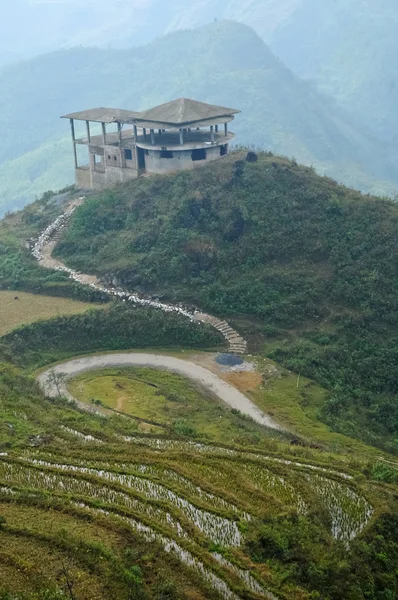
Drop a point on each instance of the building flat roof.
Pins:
(103, 115)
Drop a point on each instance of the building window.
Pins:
(199, 154)
(166, 154)
(115, 158)
(109, 157)
(128, 154)
(98, 163)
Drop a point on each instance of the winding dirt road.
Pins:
(200, 375)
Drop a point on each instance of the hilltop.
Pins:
(307, 266)
(224, 63)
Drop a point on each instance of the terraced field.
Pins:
(197, 503)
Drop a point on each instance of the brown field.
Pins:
(31, 307)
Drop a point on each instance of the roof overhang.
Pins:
(103, 115)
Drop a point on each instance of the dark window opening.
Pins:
(109, 157)
(115, 158)
(141, 158)
(199, 154)
(128, 154)
(223, 150)
(166, 154)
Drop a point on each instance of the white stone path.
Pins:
(42, 251)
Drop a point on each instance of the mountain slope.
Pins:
(348, 47)
(300, 255)
(224, 63)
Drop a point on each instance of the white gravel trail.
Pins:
(48, 239)
(211, 382)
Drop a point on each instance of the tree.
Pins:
(55, 381)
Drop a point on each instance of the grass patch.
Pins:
(169, 400)
(29, 308)
(296, 401)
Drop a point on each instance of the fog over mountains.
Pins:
(335, 110)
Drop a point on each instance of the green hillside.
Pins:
(224, 63)
(306, 266)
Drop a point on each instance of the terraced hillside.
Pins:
(89, 503)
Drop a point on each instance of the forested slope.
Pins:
(306, 259)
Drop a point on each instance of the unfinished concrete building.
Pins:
(180, 135)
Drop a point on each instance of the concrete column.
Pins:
(144, 132)
(119, 131)
(212, 133)
(226, 129)
(160, 132)
(181, 137)
(152, 137)
(72, 127)
(88, 131)
(216, 128)
(135, 133)
(104, 133)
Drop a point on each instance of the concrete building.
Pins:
(180, 135)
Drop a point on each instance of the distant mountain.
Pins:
(222, 63)
(31, 27)
(348, 47)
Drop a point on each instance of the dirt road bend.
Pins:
(206, 379)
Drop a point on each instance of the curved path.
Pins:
(200, 375)
(42, 251)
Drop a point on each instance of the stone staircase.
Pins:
(237, 345)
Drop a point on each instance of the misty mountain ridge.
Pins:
(348, 48)
(223, 63)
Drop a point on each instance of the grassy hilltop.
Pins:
(303, 265)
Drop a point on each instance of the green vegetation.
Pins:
(19, 270)
(223, 63)
(311, 264)
(121, 327)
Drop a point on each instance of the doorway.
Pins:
(141, 159)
